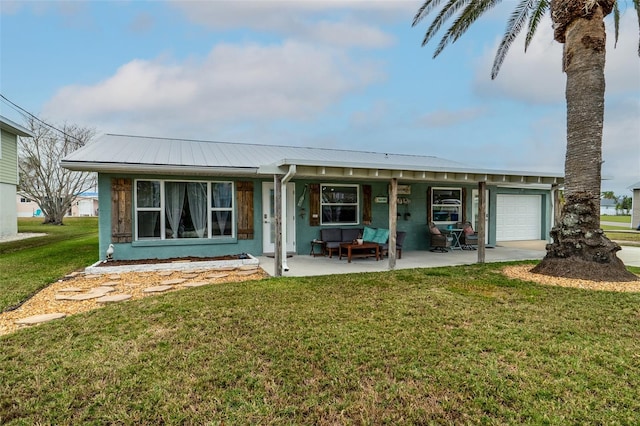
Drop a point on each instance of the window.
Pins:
(446, 204)
(179, 210)
(339, 204)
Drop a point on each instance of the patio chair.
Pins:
(469, 238)
(439, 243)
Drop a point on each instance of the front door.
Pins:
(269, 220)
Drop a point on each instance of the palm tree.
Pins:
(579, 248)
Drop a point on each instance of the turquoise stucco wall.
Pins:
(171, 248)
(415, 225)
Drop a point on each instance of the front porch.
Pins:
(304, 265)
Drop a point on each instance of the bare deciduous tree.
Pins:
(41, 177)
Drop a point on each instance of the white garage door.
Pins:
(518, 217)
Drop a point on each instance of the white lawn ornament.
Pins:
(110, 251)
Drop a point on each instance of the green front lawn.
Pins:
(27, 266)
(444, 345)
(623, 219)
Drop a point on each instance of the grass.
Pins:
(624, 219)
(27, 266)
(444, 345)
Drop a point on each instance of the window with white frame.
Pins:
(178, 210)
(446, 204)
(339, 204)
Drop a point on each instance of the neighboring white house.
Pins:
(608, 207)
(9, 132)
(86, 204)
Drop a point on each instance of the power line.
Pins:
(26, 113)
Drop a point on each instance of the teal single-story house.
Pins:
(9, 132)
(164, 198)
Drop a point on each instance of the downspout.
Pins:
(283, 212)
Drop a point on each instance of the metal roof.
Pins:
(11, 127)
(134, 154)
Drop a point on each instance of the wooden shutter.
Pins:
(121, 207)
(314, 204)
(244, 197)
(366, 205)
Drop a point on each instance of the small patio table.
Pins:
(359, 250)
(456, 233)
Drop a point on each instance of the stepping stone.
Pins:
(85, 296)
(157, 289)
(110, 283)
(37, 319)
(248, 267)
(197, 283)
(226, 268)
(113, 298)
(215, 276)
(92, 276)
(187, 276)
(102, 290)
(173, 282)
(165, 273)
(243, 273)
(64, 296)
(70, 290)
(114, 277)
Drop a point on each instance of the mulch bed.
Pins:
(173, 260)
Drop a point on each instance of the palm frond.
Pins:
(616, 24)
(514, 26)
(539, 10)
(445, 13)
(468, 16)
(424, 10)
(636, 4)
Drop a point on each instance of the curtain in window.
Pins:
(222, 198)
(174, 197)
(197, 197)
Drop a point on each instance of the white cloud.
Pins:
(233, 84)
(447, 118)
(340, 23)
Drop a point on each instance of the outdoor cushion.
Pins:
(381, 237)
(435, 230)
(369, 234)
(350, 234)
(468, 230)
(331, 234)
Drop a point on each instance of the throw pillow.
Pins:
(435, 231)
(382, 235)
(369, 234)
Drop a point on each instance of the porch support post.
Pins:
(482, 211)
(277, 187)
(393, 221)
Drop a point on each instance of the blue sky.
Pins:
(339, 74)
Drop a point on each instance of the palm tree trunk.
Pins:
(579, 248)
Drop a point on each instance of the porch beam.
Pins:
(482, 208)
(393, 221)
(277, 204)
